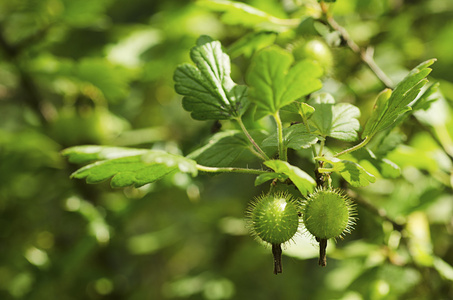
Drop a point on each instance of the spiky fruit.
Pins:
(328, 213)
(273, 218)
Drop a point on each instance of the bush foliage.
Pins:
(111, 92)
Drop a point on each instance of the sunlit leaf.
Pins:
(296, 137)
(224, 148)
(275, 84)
(301, 108)
(386, 167)
(260, 179)
(126, 166)
(86, 154)
(390, 106)
(304, 182)
(238, 13)
(251, 42)
(208, 90)
(352, 172)
(337, 120)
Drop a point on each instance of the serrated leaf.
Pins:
(238, 13)
(208, 90)
(127, 166)
(389, 169)
(260, 179)
(352, 172)
(386, 167)
(399, 101)
(306, 111)
(86, 154)
(224, 148)
(304, 182)
(432, 108)
(301, 108)
(335, 120)
(430, 95)
(378, 109)
(295, 137)
(275, 84)
(251, 42)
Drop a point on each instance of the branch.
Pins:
(365, 54)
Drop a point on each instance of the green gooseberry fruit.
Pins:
(328, 213)
(316, 50)
(273, 218)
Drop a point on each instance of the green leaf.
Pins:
(350, 171)
(304, 182)
(335, 120)
(87, 154)
(378, 110)
(306, 111)
(430, 95)
(208, 90)
(389, 108)
(432, 108)
(275, 84)
(269, 176)
(301, 108)
(238, 13)
(251, 42)
(127, 166)
(386, 167)
(295, 137)
(224, 148)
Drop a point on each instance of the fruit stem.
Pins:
(322, 252)
(277, 253)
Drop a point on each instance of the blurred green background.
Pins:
(78, 72)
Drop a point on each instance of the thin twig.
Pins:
(365, 54)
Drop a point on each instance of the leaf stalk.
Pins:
(356, 147)
(230, 170)
(250, 138)
(282, 150)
